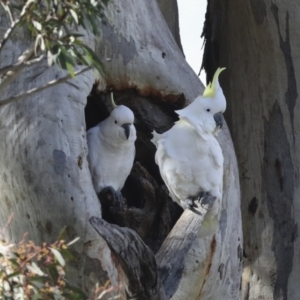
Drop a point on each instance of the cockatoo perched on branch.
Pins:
(112, 151)
(190, 158)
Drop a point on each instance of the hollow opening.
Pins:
(148, 208)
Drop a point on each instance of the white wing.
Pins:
(93, 147)
(189, 164)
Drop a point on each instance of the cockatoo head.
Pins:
(205, 112)
(120, 122)
(214, 92)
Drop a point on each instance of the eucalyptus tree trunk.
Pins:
(44, 176)
(258, 42)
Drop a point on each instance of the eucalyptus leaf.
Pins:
(13, 274)
(70, 69)
(37, 25)
(58, 256)
(35, 269)
(74, 15)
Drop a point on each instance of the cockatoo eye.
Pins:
(116, 122)
(208, 110)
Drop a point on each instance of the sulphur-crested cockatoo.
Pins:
(111, 151)
(190, 158)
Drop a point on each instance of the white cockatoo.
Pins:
(111, 151)
(190, 158)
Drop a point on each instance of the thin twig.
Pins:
(16, 23)
(21, 65)
(41, 88)
(7, 9)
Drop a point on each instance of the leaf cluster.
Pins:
(54, 26)
(28, 271)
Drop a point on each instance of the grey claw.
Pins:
(190, 203)
(117, 198)
(205, 199)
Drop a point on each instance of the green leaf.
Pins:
(85, 21)
(94, 2)
(70, 69)
(95, 62)
(14, 262)
(13, 274)
(74, 35)
(74, 15)
(67, 254)
(38, 42)
(35, 269)
(50, 58)
(80, 57)
(55, 57)
(52, 271)
(43, 46)
(39, 279)
(94, 25)
(72, 5)
(63, 58)
(58, 256)
(36, 297)
(76, 290)
(37, 283)
(62, 233)
(37, 25)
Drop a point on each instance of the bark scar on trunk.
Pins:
(291, 94)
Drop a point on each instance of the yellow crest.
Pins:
(210, 90)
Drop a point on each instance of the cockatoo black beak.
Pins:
(219, 119)
(127, 129)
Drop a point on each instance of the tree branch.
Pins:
(171, 256)
(41, 88)
(10, 30)
(11, 75)
(138, 261)
(7, 9)
(21, 65)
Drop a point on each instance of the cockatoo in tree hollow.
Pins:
(112, 151)
(190, 158)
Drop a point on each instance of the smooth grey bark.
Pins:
(169, 9)
(258, 42)
(44, 178)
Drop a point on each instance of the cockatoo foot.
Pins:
(205, 199)
(115, 197)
